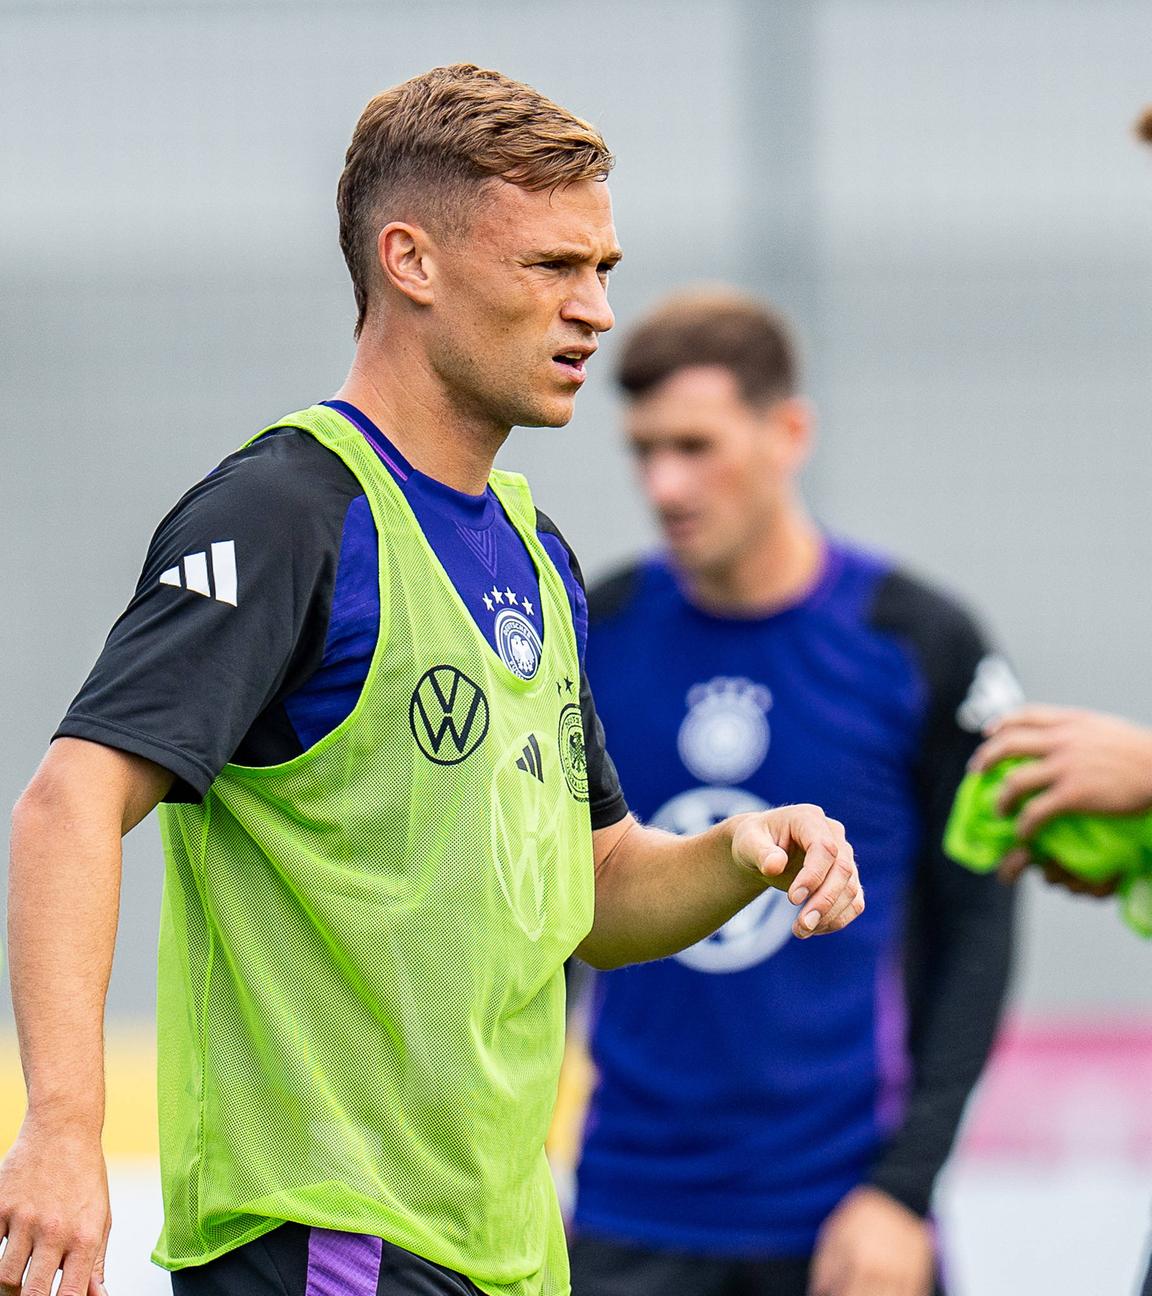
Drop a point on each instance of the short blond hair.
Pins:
(423, 148)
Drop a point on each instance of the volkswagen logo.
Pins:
(448, 715)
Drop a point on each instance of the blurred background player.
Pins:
(757, 661)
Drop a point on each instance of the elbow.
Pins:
(601, 958)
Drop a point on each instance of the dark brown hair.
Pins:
(1144, 125)
(712, 326)
(423, 149)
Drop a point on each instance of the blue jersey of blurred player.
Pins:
(757, 661)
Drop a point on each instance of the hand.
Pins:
(801, 851)
(55, 1213)
(1017, 862)
(871, 1245)
(1083, 762)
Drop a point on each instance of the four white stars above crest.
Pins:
(495, 596)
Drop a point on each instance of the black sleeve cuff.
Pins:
(609, 812)
(191, 778)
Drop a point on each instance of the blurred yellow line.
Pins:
(130, 1123)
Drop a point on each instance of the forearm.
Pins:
(64, 891)
(954, 1017)
(657, 893)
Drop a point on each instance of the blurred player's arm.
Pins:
(64, 894)
(957, 959)
(961, 924)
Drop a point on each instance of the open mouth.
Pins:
(573, 362)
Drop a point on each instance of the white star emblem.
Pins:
(510, 596)
(498, 595)
(527, 607)
(488, 603)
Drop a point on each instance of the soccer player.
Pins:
(794, 665)
(351, 673)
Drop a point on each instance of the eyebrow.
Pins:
(572, 252)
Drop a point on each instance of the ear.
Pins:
(407, 258)
(795, 420)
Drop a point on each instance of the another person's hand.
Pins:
(54, 1212)
(1017, 862)
(1083, 762)
(871, 1245)
(801, 851)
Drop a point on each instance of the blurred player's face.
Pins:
(520, 301)
(716, 469)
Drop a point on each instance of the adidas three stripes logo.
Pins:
(212, 575)
(530, 761)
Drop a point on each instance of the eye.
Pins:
(552, 265)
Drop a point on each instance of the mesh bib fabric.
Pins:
(361, 991)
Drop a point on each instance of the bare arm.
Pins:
(657, 893)
(64, 893)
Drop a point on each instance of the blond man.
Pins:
(351, 675)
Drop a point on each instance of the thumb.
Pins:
(755, 847)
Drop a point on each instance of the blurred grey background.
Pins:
(945, 194)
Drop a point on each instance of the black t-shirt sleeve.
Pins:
(960, 928)
(605, 796)
(230, 612)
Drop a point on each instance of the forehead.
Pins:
(697, 398)
(577, 214)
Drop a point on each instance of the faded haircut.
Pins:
(712, 326)
(423, 150)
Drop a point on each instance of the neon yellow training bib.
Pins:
(361, 993)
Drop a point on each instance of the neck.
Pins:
(778, 570)
(392, 382)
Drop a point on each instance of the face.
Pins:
(520, 300)
(715, 469)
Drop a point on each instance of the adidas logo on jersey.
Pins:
(994, 690)
(530, 761)
(213, 576)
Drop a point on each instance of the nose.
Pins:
(667, 481)
(588, 305)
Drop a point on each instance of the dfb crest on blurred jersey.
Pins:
(724, 737)
(760, 928)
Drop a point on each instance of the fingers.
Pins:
(46, 1257)
(15, 1258)
(1014, 865)
(1036, 715)
(78, 1268)
(821, 839)
(836, 902)
(1044, 806)
(1012, 740)
(1023, 781)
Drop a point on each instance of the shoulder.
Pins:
(614, 593)
(952, 652)
(558, 547)
(285, 487)
(907, 604)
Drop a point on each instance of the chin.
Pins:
(557, 415)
